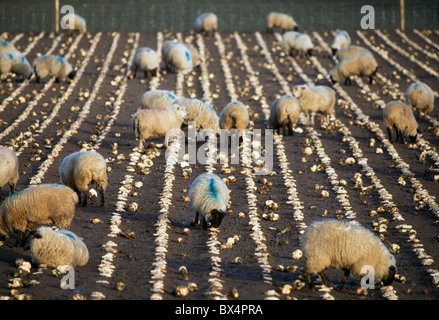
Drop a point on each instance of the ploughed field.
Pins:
(142, 240)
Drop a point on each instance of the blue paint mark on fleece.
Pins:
(188, 56)
(213, 191)
(60, 59)
(171, 95)
(71, 236)
(4, 43)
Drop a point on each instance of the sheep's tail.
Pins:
(136, 126)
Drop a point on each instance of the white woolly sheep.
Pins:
(37, 205)
(280, 20)
(420, 96)
(315, 99)
(399, 116)
(52, 66)
(6, 46)
(177, 57)
(284, 113)
(15, 62)
(79, 25)
(203, 114)
(196, 59)
(146, 60)
(209, 197)
(82, 169)
(288, 41)
(234, 116)
(157, 99)
(8, 168)
(339, 244)
(55, 248)
(294, 42)
(154, 123)
(351, 50)
(356, 65)
(206, 23)
(341, 40)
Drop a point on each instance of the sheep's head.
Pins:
(72, 74)
(298, 90)
(181, 110)
(387, 280)
(215, 218)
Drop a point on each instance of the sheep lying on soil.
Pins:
(209, 196)
(82, 169)
(280, 20)
(399, 116)
(154, 123)
(52, 66)
(420, 96)
(339, 244)
(57, 248)
(356, 65)
(315, 99)
(8, 168)
(284, 113)
(37, 205)
(146, 60)
(206, 23)
(203, 114)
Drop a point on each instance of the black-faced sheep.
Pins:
(206, 23)
(341, 40)
(284, 113)
(146, 60)
(52, 66)
(154, 123)
(338, 244)
(294, 42)
(37, 205)
(8, 168)
(82, 169)
(15, 62)
(280, 20)
(362, 65)
(234, 116)
(55, 248)
(209, 197)
(420, 96)
(399, 116)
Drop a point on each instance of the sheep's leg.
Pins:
(324, 279)
(196, 221)
(389, 133)
(135, 71)
(345, 276)
(84, 200)
(370, 79)
(348, 81)
(102, 194)
(19, 239)
(12, 187)
(308, 279)
(205, 224)
(57, 80)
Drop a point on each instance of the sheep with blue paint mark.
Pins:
(146, 60)
(341, 40)
(55, 248)
(157, 99)
(177, 57)
(16, 63)
(209, 197)
(52, 66)
(6, 46)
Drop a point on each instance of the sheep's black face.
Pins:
(332, 79)
(334, 51)
(216, 216)
(309, 52)
(413, 138)
(387, 281)
(72, 74)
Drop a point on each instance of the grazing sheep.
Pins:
(300, 43)
(356, 65)
(234, 116)
(288, 41)
(157, 99)
(146, 60)
(16, 63)
(52, 66)
(421, 97)
(351, 50)
(203, 114)
(315, 99)
(177, 57)
(209, 196)
(80, 170)
(280, 20)
(79, 25)
(196, 59)
(57, 248)
(339, 244)
(206, 23)
(284, 113)
(399, 116)
(341, 40)
(37, 205)
(154, 123)
(6, 46)
(8, 168)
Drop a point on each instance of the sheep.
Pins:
(399, 116)
(79, 170)
(79, 25)
(296, 41)
(341, 40)
(420, 96)
(340, 244)
(196, 59)
(315, 99)
(234, 116)
(177, 57)
(52, 66)
(146, 60)
(6, 46)
(8, 168)
(280, 20)
(356, 65)
(157, 99)
(16, 63)
(284, 113)
(37, 205)
(166, 48)
(203, 114)
(209, 197)
(154, 123)
(55, 248)
(351, 50)
(206, 23)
